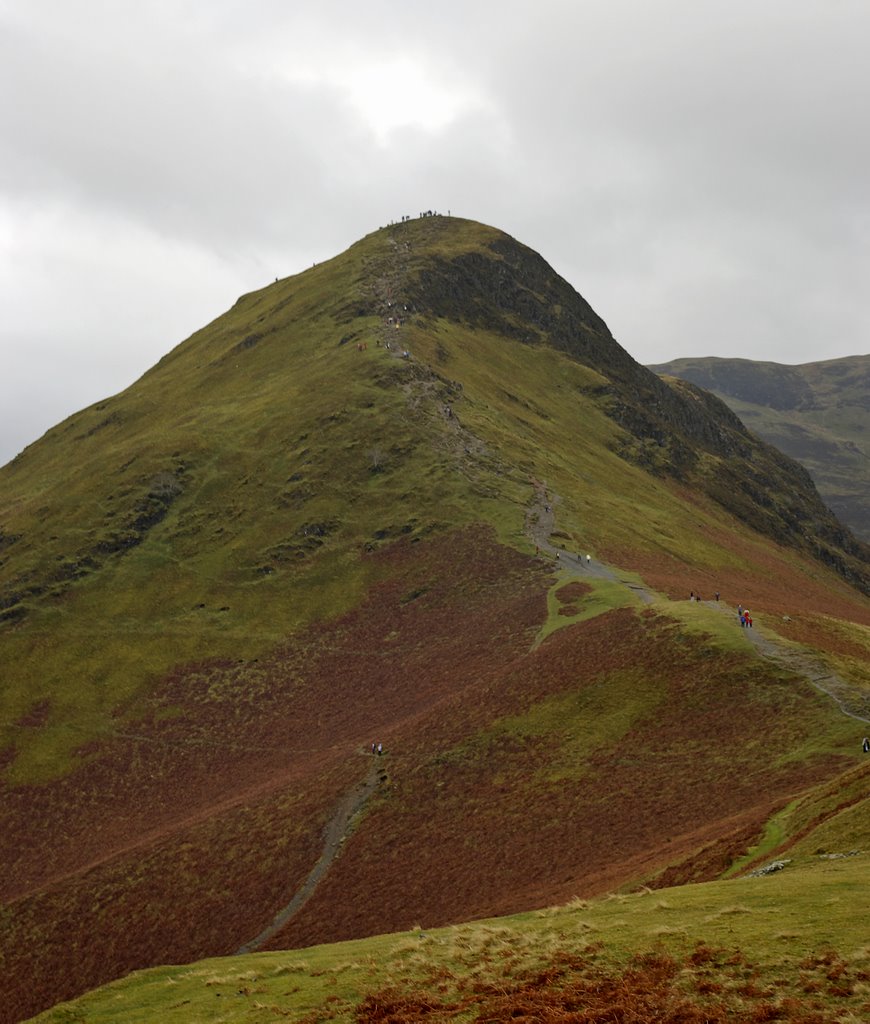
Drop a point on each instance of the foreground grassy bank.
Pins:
(788, 946)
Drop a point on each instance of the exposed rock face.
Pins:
(770, 869)
(817, 413)
(516, 293)
(511, 290)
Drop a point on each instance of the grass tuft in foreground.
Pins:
(790, 947)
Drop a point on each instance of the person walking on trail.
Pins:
(865, 746)
(380, 749)
(588, 559)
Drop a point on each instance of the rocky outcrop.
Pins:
(816, 413)
(671, 426)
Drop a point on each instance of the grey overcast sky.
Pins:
(699, 170)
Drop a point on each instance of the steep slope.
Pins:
(817, 413)
(308, 528)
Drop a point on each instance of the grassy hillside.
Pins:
(817, 413)
(263, 459)
(289, 540)
(788, 947)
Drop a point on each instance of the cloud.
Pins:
(698, 172)
(97, 302)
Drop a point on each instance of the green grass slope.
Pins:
(817, 413)
(287, 540)
(789, 947)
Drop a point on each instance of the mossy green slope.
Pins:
(245, 473)
(250, 468)
(778, 947)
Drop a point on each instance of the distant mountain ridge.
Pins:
(817, 413)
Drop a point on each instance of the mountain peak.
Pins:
(349, 510)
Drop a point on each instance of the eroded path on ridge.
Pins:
(388, 290)
(339, 828)
(540, 524)
(851, 702)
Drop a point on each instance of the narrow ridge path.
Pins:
(540, 523)
(850, 701)
(337, 830)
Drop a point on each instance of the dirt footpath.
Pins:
(540, 525)
(338, 829)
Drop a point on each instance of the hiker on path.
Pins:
(865, 746)
(588, 559)
(380, 749)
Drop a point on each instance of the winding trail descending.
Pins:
(540, 524)
(849, 700)
(338, 829)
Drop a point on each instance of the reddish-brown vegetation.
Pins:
(568, 595)
(183, 834)
(504, 824)
(821, 634)
(772, 584)
(572, 592)
(578, 990)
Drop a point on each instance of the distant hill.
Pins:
(818, 413)
(350, 511)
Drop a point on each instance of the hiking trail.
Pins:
(339, 828)
(540, 524)
(850, 701)
(429, 394)
(425, 388)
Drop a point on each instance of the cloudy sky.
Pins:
(697, 169)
